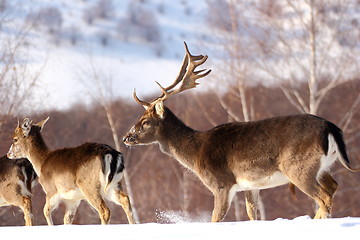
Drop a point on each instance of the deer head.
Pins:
(23, 137)
(147, 129)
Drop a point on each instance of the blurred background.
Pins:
(79, 61)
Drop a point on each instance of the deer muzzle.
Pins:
(11, 153)
(130, 139)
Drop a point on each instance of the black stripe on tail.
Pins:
(116, 164)
(116, 161)
(28, 169)
(338, 136)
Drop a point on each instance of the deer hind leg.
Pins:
(27, 209)
(23, 202)
(123, 200)
(97, 202)
(319, 193)
(324, 201)
(254, 205)
(328, 189)
(101, 207)
(70, 210)
(328, 183)
(18, 197)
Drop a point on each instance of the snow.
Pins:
(132, 64)
(136, 63)
(300, 228)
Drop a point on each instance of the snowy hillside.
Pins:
(299, 228)
(135, 43)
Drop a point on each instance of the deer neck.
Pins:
(178, 140)
(37, 153)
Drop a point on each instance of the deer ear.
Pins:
(26, 126)
(159, 109)
(42, 123)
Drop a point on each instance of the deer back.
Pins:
(84, 160)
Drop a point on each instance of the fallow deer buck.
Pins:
(90, 171)
(16, 180)
(245, 156)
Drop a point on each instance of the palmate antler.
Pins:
(187, 77)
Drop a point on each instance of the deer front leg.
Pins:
(221, 204)
(254, 205)
(70, 210)
(50, 204)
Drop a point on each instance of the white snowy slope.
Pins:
(298, 228)
(130, 64)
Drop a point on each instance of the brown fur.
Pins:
(291, 145)
(13, 174)
(244, 156)
(72, 174)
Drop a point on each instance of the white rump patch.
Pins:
(24, 190)
(107, 159)
(112, 187)
(326, 161)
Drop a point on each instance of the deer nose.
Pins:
(10, 153)
(129, 138)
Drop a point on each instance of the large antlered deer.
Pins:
(245, 156)
(16, 180)
(91, 171)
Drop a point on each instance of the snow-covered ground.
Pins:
(298, 228)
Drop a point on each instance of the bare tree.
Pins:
(17, 80)
(306, 47)
(291, 42)
(223, 18)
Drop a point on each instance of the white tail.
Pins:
(91, 171)
(16, 180)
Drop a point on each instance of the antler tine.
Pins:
(187, 76)
(181, 73)
(194, 57)
(189, 79)
(165, 94)
(187, 59)
(178, 79)
(143, 103)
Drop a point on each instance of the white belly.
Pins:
(274, 180)
(72, 195)
(3, 202)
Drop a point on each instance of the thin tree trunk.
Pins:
(125, 175)
(313, 80)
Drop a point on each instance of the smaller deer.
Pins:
(16, 180)
(245, 156)
(91, 171)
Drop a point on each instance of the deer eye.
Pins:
(15, 140)
(146, 123)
